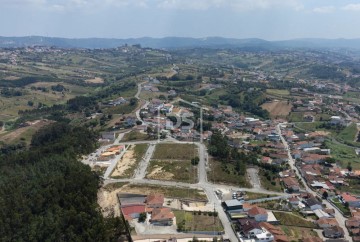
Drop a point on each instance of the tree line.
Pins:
(46, 194)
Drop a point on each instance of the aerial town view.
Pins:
(106, 135)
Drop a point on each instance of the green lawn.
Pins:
(195, 221)
(290, 219)
(175, 152)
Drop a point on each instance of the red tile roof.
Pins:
(128, 210)
(348, 197)
(256, 211)
(155, 199)
(159, 214)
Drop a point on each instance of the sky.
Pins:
(266, 19)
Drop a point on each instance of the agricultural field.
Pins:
(277, 108)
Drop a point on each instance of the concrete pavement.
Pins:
(141, 170)
(114, 161)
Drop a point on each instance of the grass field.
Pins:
(193, 221)
(298, 233)
(290, 219)
(299, 116)
(278, 92)
(296, 117)
(313, 126)
(169, 192)
(277, 109)
(120, 109)
(228, 176)
(273, 185)
(135, 136)
(172, 170)
(349, 133)
(175, 152)
(23, 134)
(10, 106)
(344, 154)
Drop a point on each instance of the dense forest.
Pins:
(46, 194)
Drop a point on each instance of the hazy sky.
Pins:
(267, 19)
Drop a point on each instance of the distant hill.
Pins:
(178, 42)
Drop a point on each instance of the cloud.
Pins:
(74, 4)
(241, 5)
(324, 9)
(352, 7)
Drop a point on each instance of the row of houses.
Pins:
(133, 205)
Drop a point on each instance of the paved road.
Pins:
(141, 170)
(203, 183)
(114, 161)
(339, 217)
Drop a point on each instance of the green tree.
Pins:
(142, 217)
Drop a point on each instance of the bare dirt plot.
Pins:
(124, 163)
(24, 133)
(11, 78)
(95, 80)
(277, 108)
(108, 201)
(169, 192)
(175, 152)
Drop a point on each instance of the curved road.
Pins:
(339, 217)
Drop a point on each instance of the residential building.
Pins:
(162, 216)
(258, 213)
(333, 232)
(155, 200)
